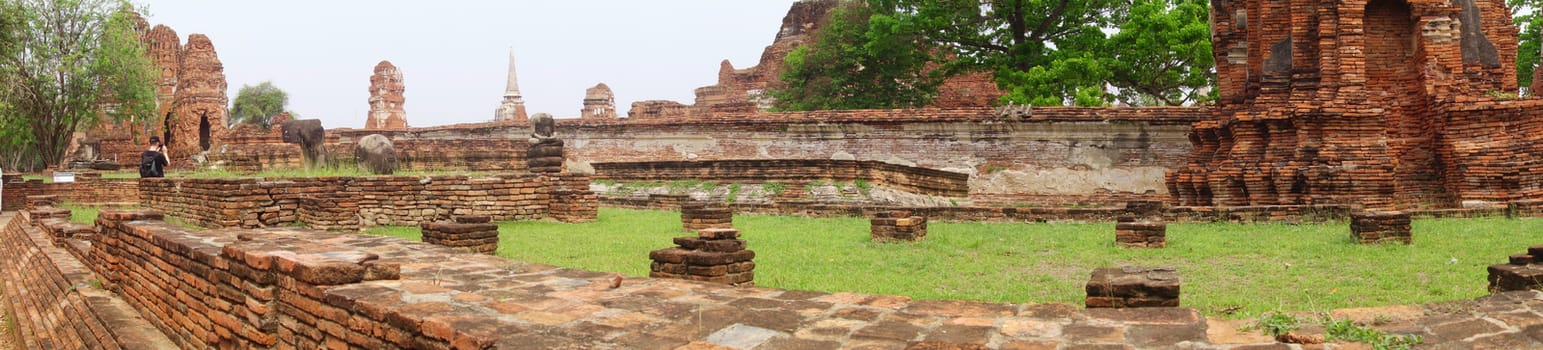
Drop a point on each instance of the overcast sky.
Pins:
(454, 54)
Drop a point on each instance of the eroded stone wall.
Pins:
(375, 200)
(1083, 156)
(909, 179)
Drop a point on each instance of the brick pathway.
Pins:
(457, 298)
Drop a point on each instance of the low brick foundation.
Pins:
(793, 172)
(42, 201)
(474, 234)
(897, 226)
(714, 255)
(699, 216)
(337, 202)
(1133, 286)
(88, 189)
(1130, 233)
(1381, 227)
(54, 300)
(1523, 272)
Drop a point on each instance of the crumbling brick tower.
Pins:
(1359, 102)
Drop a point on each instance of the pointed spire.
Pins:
(513, 107)
(513, 88)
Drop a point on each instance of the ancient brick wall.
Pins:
(1347, 104)
(88, 189)
(55, 301)
(899, 177)
(376, 200)
(1084, 156)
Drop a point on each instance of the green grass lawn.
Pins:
(1256, 267)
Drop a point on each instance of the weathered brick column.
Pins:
(470, 233)
(1133, 286)
(1131, 233)
(899, 225)
(545, 157)
(714, 255)
(699, 216)
(1381, 227)
(1522, 273)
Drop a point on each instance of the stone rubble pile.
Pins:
(714, 255)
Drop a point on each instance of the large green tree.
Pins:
(73, 62)
(1044, 52)
(258, 105)
(1162, 55)
(1530, 20)
(861, 59)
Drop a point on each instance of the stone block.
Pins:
(1381, 227)
(897, 226)
(1133, 286)
(1141, 234)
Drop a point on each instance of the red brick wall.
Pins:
(377, 200)
(88, 189)
(904, 178)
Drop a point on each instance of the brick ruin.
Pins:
(1381, 227)
(1133, 286)
(386, 88)
(88, 189)
(1383, 104)
(745, 90)
(471, 233)
(373, 201)
(191, 101)
(599, 103)
(697, 216)
(715, 255)
(897, 226)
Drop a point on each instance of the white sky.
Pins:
(453, 53)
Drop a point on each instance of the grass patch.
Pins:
(82, 214)
(411, 233)
(1250, 268)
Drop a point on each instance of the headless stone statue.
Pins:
(545, 155)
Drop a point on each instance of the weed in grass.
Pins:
(1337, 330)
(1275, 324)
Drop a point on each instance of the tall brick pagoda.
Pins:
(1380, 103)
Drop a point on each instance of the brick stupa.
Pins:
(1385, 104)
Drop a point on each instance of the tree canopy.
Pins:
(66, 65)
(257, 105)
(861, 59)
(1042, 52)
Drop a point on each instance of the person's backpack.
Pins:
(150, 164)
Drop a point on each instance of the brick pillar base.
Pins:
(714, 255)
(897, 226)
(695, 217)
(1381, 227)
(1129, 233)
(1133, 286)
(469, 233)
